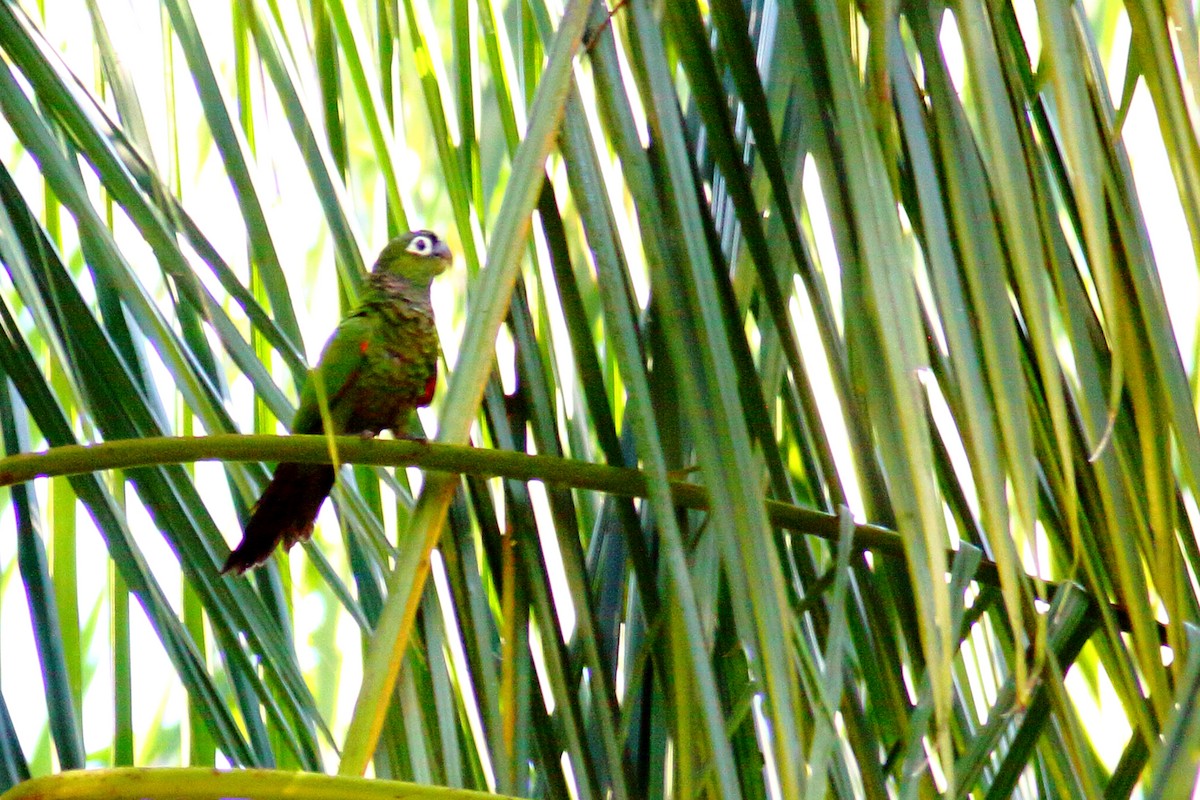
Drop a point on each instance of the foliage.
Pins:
(783, 268)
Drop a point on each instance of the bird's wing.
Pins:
(341, 361)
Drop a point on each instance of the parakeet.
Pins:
(379, 365)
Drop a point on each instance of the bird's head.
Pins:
(417, 256)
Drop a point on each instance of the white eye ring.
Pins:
(421, 245)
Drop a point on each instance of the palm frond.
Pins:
(820, 374)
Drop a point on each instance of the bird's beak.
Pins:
(442, 251)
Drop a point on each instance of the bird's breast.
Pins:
(395, 375)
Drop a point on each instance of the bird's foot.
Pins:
(681, 473)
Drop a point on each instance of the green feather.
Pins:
(379, 365)
(341, 361)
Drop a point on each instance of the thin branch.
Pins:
(551, 470)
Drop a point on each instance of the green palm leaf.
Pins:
(817, 421)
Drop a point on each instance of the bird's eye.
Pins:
(421, 245)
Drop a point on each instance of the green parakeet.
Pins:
(379, 365)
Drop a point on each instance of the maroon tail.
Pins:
(285, 512)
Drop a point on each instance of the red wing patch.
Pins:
(430, 385)
(363, 346)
